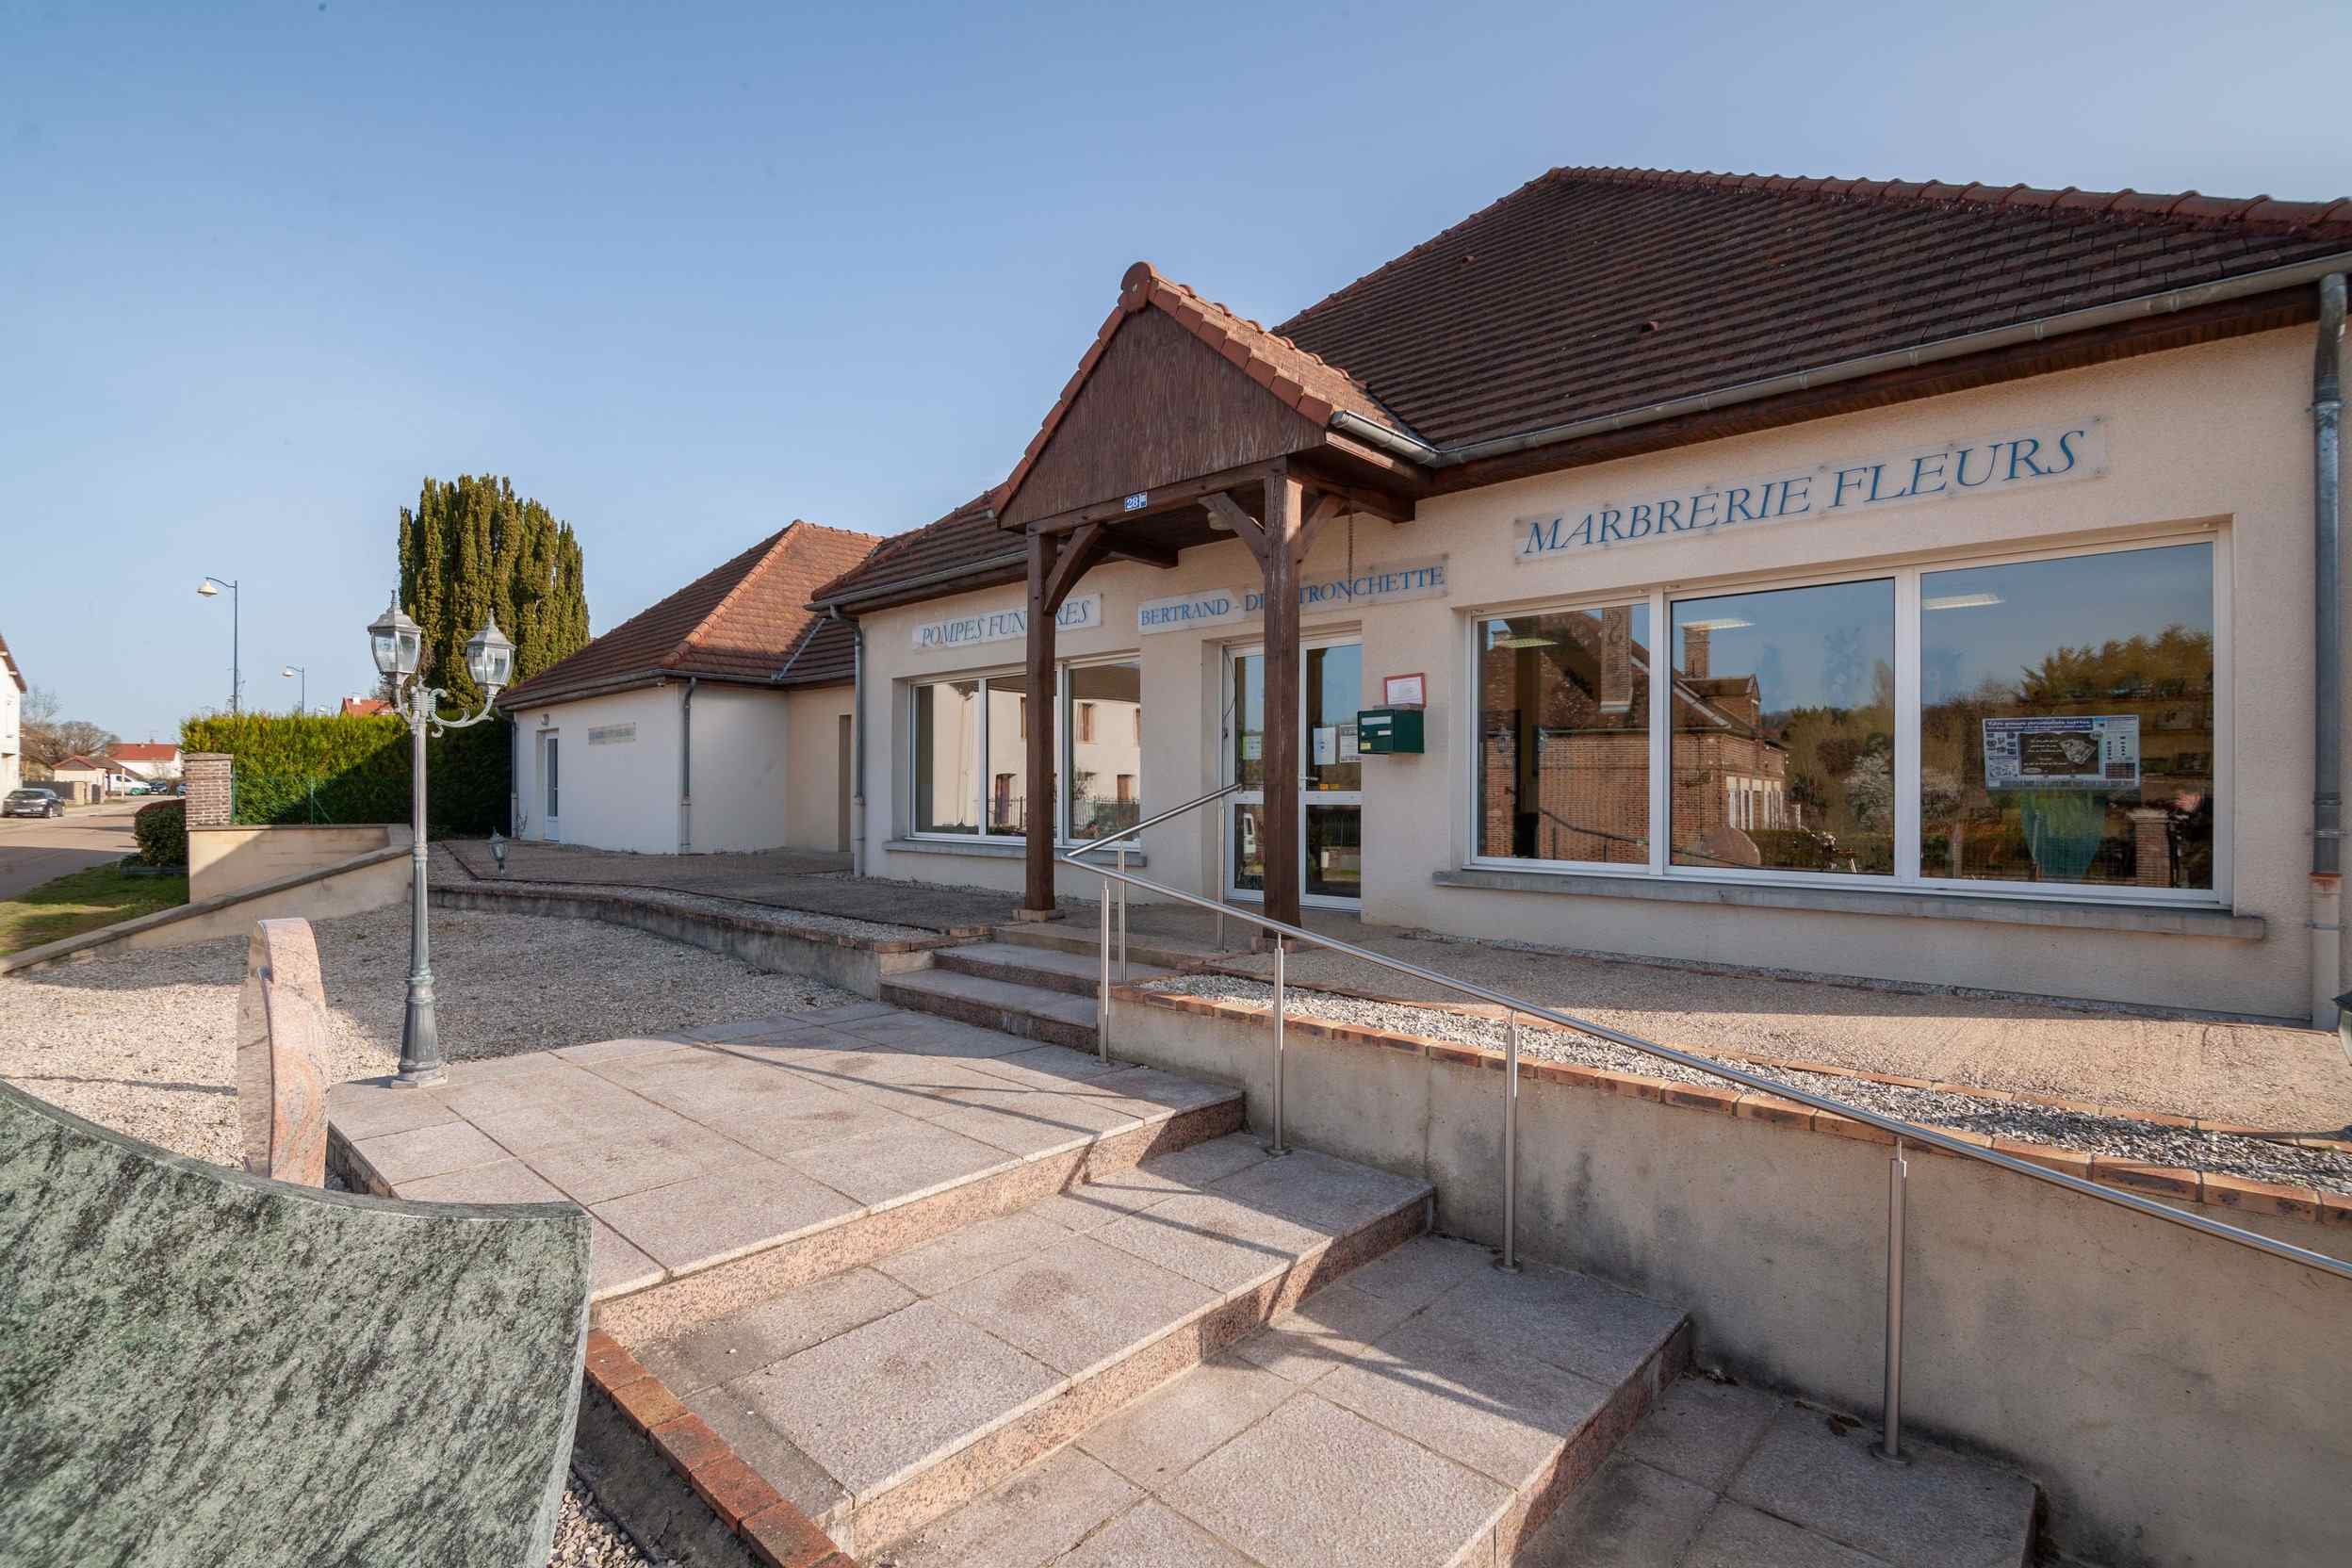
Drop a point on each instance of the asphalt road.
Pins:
(34, 850)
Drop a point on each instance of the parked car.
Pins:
(32, 803)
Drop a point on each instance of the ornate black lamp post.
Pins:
(398, 645)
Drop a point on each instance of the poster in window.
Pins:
(2080, 752)
(1326, 744)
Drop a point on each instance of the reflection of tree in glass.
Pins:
(2179, 661)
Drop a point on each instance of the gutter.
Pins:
(686, 766)
(2171, 302)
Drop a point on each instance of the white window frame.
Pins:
(1906, 577)
(984, 775)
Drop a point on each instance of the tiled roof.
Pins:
(964, 549)
(740, 622)
(1595, 291)
(7, 661)
(144, 751)
(1589, 292)
(365, 706)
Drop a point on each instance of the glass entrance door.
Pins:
(1331, 828)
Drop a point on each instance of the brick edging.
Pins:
(776, 1533)
(2213, 1188)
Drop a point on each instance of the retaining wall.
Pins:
(2180, 1400)
(225, 860)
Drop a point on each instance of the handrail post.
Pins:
(1897, 1174)
(1102, 994)
(1122, 912)
(1509, 1261)
(1222, 831)
(1276, 1149)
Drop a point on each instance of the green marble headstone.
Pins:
(201, 1367)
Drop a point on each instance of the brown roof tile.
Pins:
(1589, 292)
(742, 622)
(1596, 291)
(965, 550)
(8, 661)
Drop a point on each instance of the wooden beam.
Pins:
(1045, 554)
(1286, 518)
(1165, 497)
(1222, 508)
(1364, 500)
(1078, 552)
(1321, 507)
(1161, 556)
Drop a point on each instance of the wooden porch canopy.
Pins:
(1183, 426)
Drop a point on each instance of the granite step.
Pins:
(1008, 1006)
(1044, 967)
(722, 1164)
(1717, 1475)
(1427, 1411)
(1084, 939)
(882, 1398)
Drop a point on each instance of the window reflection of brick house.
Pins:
(1565, 776)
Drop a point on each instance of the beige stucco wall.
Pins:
(223, 860)
(812, 816)
(2214, 438)
(622, 794)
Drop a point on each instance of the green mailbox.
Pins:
(1381, 731)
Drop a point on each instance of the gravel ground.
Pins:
(806, 919)
(587, 1537)
(2258, 1159)
(145, 1042)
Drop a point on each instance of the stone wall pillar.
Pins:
(2151, 846)
(209, 778)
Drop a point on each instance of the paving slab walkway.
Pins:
(693, 1149)
(808, 880)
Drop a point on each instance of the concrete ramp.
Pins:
(199, 1366)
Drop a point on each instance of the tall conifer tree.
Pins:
(471, 549)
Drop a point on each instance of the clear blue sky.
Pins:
(687, 272)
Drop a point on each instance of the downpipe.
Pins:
(857, 741)
(2326, 893)
(686, 768)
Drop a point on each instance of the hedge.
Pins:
(329, 768)
(161, 828)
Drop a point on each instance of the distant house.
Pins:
(92, 777)
(365, 706)
(716, 720)
(12, 689)
(157, 762)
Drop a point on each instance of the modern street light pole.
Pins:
(237, 672)
(302, 670)
(398, 645)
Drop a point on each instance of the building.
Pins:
(157, 762)
(1858, 578)
(12, 694)
(365, 706)
(716, 720)
(83, 777)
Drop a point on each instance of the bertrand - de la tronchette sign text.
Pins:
(2046, 454)
(1382, 585)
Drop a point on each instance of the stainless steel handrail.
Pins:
(1903, 1132)
(1119, 841)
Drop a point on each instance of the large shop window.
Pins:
(969, 755)
(2060, 729)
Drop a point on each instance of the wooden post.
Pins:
(1284, 522)
(1038, 895)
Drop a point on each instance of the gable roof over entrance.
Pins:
(743, 622)
(1595, 312)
